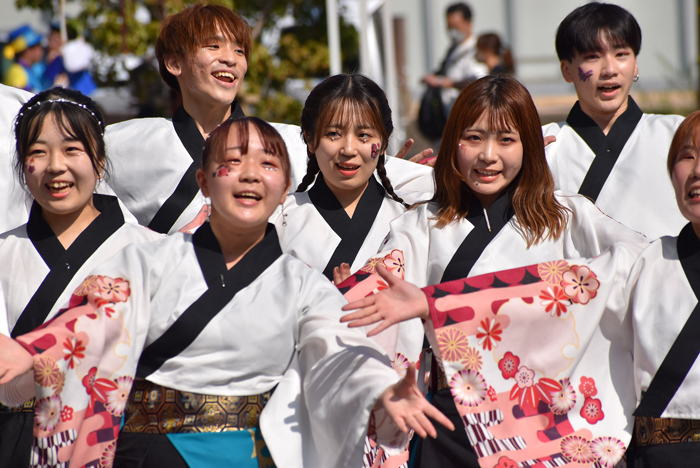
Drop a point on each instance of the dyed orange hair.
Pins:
(688, 132)
(182, 33)
(508, 106)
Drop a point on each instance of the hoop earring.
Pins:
(636, 78)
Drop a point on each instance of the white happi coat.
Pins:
(638, 191)
(660, 298)
(14, 200)
(306, 233)
(151, 158)
(428, 250)
(32, 251)
(282, 330)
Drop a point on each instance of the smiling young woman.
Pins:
(214, 321)
(60, 158)
(494, 208)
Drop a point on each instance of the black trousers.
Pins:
(450, 448)
(136, 450)
(16, 439)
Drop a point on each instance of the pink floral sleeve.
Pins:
(83, 370)
(528, 363)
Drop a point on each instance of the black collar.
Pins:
(50, 248)
(333, 212)
(593, 135)
(352, 231)
(211, 259)
(688, 246)
(468, 253)
(64, 264)
(189, 134)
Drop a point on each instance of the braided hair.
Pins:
(343, 95)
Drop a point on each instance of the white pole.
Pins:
(365, 68)
(391, 78)
(333, 36)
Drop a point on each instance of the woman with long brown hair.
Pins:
(494, 208)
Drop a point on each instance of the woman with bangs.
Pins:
(494, 208)
(237, 351)
(60, 159)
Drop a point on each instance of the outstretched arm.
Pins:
(407, 407)
(400, 302)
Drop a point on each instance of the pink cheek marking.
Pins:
(220, 171)
(375, 151)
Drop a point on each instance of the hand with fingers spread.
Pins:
(407, 407)
(14, 360)
(424, 157)
(341, 273)
(400, 302)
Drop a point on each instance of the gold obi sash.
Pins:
(155, 409)
(655, 431)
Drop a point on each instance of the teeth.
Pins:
(248, 195)
(342, 166)
(694, 193)
(487, 173)
(58, 185)
(225, 75)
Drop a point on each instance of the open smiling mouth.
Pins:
(248, 196)
(226, 77)
(59, 187)
(347, 167)
(694, 194)
(607, 89)
(487, 173)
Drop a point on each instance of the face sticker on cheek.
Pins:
(221, 171)
(375, 151)
(30, 166)
(584, 76)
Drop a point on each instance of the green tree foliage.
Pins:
(302, 52)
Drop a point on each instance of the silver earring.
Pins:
(284, 215)
(636, 78)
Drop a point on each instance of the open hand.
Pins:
(14, 359)
(400, 302)
(407, 407)
(424, 157)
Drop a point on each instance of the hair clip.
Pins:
(67, 101)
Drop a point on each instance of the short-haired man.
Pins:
(607, 149)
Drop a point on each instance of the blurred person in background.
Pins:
(491, 52)
(460, 66)
(68, 64)
(25, 51)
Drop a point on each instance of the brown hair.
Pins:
(182, 33)
(346, 99)
(688, 130)
(492, 42)
(508, 106)
(270, 138)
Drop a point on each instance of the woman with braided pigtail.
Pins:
(341, 221)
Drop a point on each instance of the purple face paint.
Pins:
(584, 76)
(30, 166)
(220, 171)
(375, 151)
